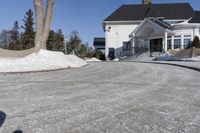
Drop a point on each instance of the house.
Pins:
(99, 44)
(153, 28)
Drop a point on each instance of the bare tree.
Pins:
(43, 22)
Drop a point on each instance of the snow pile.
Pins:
(93, 60)
(164, 57)
(167, 57)
(197, 59)
(116, 60)
(43, 60)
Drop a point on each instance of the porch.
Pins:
(151, 36)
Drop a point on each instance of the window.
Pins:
(126, 46)
(187, 40)
(177, 42)
(169, 42)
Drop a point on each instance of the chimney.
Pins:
(146, 1)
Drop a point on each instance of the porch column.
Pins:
(196, 32)
(165, 45)
(182, 41)
(133, 45)
(172, 47)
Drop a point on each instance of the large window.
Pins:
(187, 41)
(126, 46)
(169, 42)
(177, 42)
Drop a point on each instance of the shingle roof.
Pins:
(196, 17)
(162, 23)
(99, 41)
(141, 11)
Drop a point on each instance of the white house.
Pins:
(132, 29)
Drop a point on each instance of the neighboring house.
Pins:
(155, 28)
(99, 44)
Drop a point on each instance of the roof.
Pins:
(155, 21)
(161, 23)
(196, 17)
(141, 11)
(99, 41)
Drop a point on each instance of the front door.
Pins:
(156, 45)
(111, 53)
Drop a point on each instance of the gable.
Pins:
(151, 26)
(141, 11)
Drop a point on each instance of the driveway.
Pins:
(124, 97)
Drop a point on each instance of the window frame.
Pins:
(169, 42)
(188, 38)
(177, 38)
(126, 46)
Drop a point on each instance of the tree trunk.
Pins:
(42, 23)
(39, 23)
(47, 23)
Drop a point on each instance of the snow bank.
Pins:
(43, 60)
(164, 57)
(93, 60)
(116, 60)
(167, 57)
(197, 59)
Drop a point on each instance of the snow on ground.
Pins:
(166, 57)
(93, 60)
(140, 57)
(43, 60)
(129, 98)
(116, 60)
(192, 59)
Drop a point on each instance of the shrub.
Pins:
(196, 42)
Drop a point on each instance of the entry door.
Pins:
(156, 45)
(111, 53)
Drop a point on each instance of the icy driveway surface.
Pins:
(103, 97)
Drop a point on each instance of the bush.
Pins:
(196, 42)
(100, 55)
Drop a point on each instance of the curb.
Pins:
(41, 71)
(172, 64)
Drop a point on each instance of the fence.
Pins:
(15, 53)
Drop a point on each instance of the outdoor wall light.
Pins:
(108, 29)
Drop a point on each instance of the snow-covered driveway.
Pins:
(102, 97)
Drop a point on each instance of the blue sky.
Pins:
(85, 16)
